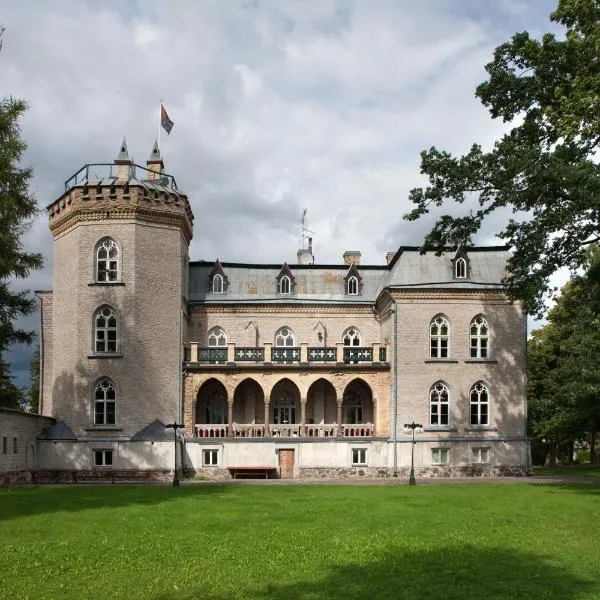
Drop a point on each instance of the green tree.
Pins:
(33, 393)
(17, 209)
(543, 168)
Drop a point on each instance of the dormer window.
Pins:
(460, 268)
(352, 282)
(285, 280)
(352, 286)
(217, 280)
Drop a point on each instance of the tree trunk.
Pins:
(593, 453)
(551, 455)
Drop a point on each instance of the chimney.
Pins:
(352, 257)
(122, 161)
(389, 257)
(305, 257)
(155, 163)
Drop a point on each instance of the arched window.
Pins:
(353, 408)
(105, 330)
(285, 337)
(284, 409)
(460, 268)
(438, 404)
(217, 284)
(105, 400)
(285, 285)
(352, 286)
(216, 408)
(479, 400)
(217, 337)
(107, 261)
(479, 336)
(351, 337)
(439, 336)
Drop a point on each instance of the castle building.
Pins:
(284, 370)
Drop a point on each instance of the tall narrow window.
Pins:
(460, 268)
(105, 403)
(479, 405)
(479, 334)
(439, 334)
(217, 337)
(285, 285)
(105, 330)
(217, 284)
(352, 286)
(438, 404)
(285, 337)
(107, 261)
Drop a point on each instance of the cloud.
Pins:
(278, 105)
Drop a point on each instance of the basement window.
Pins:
(359, 457)
(210, 458)
(103, 458)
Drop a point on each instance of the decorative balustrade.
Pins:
(321, 431)
(293, 430)
(212, 355)
(248, 431)
(322, 354)
(243, 354)
(211, 431)
(382, 354)
(358, 430)
(289, 354)
(284, 430)
(354, 354)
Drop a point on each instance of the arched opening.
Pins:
(321, 409)
(248, 409)
(357, 409)
(211, 410)
(285, 409)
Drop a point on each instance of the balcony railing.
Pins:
(285, 355)
(293, 430)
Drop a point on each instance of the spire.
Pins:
(122, 161)
(123, 153)
(155, 154)
(155, 163)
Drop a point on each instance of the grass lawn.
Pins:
(591, 471)
(451, 541)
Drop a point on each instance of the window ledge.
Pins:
(481, 428)
(103, 428)
(440, 428)
(105, 355)
(102, 283)
(481, 360)
(441, 360)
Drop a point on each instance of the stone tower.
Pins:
(112, 327)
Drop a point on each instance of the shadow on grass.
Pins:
(27, 501)
(445, 573)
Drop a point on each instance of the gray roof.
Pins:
(155, 432)
(58, 431)
(257, 283)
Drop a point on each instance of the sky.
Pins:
(279, 106)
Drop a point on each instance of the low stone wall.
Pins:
(85, 476)
(403, 472)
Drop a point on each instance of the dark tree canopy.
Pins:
(544, 168)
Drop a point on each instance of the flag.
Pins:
(165, 122)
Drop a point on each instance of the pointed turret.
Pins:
(155, 163)
(122, 161)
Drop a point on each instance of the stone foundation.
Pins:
(85, 476)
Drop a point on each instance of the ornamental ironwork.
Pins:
(358, 354)
(212, 355)
(249, 354)
(382, 354)
(285, 355)
(322, 354)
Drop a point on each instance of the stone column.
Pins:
(267, 431)
(230, 419)
(268, 346)
(194, 352)
(340, 353)
(304, 352)
(376, 346)
(340, 432)
(303, 417)
(231, 353)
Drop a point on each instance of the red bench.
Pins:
(252, 472)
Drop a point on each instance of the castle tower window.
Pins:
(439, 336)
(107, 261)
(479, 338)
(105, 403)
(105, 330)
(438, 404)
(479, 405)
(217, 337)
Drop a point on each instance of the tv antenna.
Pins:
(305, 233)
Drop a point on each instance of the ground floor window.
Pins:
(4, 445)
(440, 456)
(210, 458)
(359, 457)
(481, 455)
(15, 446)
(103, 458)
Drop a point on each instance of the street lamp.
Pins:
(419, 429)
(175, 426)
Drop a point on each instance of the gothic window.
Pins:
(284, 409)
(439, 336)
(216, 408)
(217, 284)
(107, 261)
(460, 268)
(352, 286)
(353, 409)
(438, 404)
(105, 402)
(479, 336)
(479, 405)
(105, 330)
(217, 337)
(285, 285)
(285, 337)
(351, 337)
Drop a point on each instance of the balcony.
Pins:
(293, 430)
(267, 354)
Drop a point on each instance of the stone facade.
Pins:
(299, 370)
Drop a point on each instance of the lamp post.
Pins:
(414, 427)
(175, 426)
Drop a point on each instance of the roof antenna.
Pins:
(305, 233)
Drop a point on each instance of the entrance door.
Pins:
(286, 463)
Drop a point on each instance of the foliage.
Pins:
(17, 209)
(334, 542)
(543, 168)
(33, 393)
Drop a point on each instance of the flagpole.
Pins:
(159, 122)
